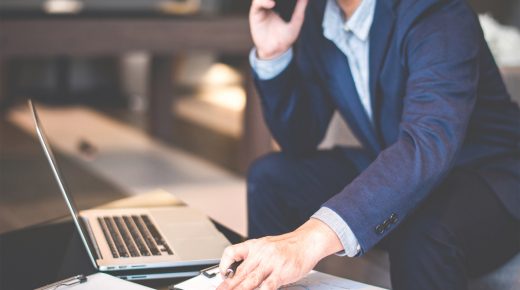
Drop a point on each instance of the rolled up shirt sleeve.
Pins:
(270, 68)
(340, 227)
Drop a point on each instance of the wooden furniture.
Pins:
(137, 164)
(90, 34)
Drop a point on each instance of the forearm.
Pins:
(383, 195)
(296, 108)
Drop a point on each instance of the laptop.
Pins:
(141, 243)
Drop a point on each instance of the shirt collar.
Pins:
(359, 23)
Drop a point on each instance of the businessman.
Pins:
(437, 180)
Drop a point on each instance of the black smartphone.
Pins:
(285, 9)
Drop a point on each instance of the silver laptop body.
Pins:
(140, 238)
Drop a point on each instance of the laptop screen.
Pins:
(83, 232)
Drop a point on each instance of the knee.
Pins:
(427, 257)
(419, 244)
(264, 201)
(262, 173)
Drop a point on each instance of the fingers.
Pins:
(261, 5)
(250, 275)
(268, 262)
(253, 280)
(238, 252)
(299, 13)
(260, 10)
(272, 282)
(243, 271)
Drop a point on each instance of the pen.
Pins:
(230, 272)
(65, 282)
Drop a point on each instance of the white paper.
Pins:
(313, 281)
(320, 281)
(202, 282)
(105, 281)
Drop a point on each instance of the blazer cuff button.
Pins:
(394, 218)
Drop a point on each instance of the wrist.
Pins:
(321, 237)
(270, 54)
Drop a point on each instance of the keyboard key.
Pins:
(108, 238)
(153, 230)
(130, 245)
(116, 237)
(167, 249)
(146, 235)
(136, 236)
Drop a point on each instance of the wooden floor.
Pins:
(25, 179)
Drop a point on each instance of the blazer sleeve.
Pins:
(296, 107)
(441, 53)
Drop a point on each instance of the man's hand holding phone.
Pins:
(272, 35)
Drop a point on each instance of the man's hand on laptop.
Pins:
(271, 262)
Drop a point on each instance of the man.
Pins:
(437, 181)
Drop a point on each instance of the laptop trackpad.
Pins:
(190, 233)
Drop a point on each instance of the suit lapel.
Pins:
(380, 36)
(344, 92)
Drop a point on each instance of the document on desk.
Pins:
(313, 281)
(320, 281)
(96, 281)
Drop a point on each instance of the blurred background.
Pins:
(138, 95)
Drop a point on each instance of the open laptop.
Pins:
(141, 243)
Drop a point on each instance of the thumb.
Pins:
(299, 13)
(238, 252)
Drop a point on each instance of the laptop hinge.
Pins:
(93, 241)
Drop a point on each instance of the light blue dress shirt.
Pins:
(351, 37)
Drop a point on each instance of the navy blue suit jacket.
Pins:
(438, 101)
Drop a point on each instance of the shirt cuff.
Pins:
(340, 227)
(269, 68)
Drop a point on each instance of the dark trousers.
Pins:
(462, 229)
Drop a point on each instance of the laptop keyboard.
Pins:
(133, 236)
